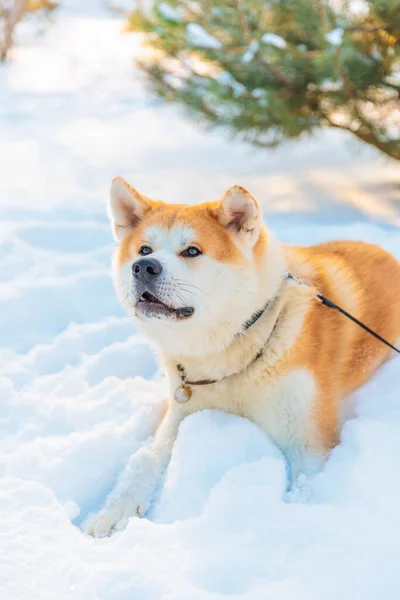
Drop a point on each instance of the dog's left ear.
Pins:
(240, 212)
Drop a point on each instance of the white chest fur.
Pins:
(280, 405)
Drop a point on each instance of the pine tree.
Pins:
(13, 12)
(275, 69)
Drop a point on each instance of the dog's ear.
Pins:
(127, 207)
(239, 211)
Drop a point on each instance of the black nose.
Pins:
(146, 267)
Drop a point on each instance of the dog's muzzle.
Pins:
(147, 274)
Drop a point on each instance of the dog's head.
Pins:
(192, 275)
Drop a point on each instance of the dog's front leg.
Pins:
(136, 485)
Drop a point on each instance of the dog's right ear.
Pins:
(127, 207)
(240, 212)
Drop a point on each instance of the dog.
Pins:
(208, 284)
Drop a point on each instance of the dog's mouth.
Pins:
(150, 305)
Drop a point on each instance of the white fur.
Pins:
(171, 240)
(223, 296)
(135, 487)
(281, 409)
(279, 405)
(210, 345)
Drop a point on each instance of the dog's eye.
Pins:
(191, 252)
(144, 250)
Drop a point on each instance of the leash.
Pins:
(326, 302)
(184, 391)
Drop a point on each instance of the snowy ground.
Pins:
(79, 387)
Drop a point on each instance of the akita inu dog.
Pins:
(207, 283)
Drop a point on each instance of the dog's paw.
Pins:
(99, 526)
(106, 522)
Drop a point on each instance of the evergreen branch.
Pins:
(370, 28)
(248, 38)
(243, 23)
(390, 149)
(347, 85)
(280, 90)
(322, 15)
(275, 73)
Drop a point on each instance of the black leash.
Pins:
(331, 304)
(184, 392)
(326, 302)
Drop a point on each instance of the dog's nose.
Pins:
(146, 267)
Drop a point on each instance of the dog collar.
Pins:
(184, 392)
(255, 316)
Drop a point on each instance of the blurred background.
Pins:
(298, 100)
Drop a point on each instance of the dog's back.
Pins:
(363, 279)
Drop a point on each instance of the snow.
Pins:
(169, 12)
(250, 52)
(335, 36)
(394, 78)
(330, 85)
(258, 92)
(358, 7)
(197, 36)
(274, 40)
(225, 78)
(80, 389)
